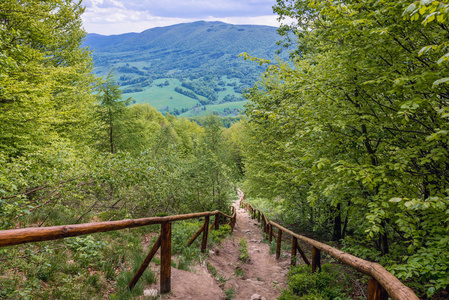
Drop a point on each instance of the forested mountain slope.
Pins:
(186, 68)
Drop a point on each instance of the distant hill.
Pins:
(187, 69)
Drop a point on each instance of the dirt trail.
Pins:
(262, 274)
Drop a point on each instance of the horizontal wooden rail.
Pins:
(13, 237)
(382, 281)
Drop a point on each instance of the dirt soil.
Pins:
(262, 274)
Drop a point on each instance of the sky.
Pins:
(110, 17)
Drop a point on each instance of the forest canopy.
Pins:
(351, 134)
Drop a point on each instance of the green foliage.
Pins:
(230, 293)
(243, 248)
(304, 284)
(109, 114)
(350, 135)
(45, 82)
(238, 272)
(212, 270)
(181, 234)
(86, 249)
(220, 234)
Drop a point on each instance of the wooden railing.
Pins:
(35, 234)
(382, 283)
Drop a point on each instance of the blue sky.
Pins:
(120, 16)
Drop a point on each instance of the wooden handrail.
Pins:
(381, 278)
(36, 234)
(12, 237)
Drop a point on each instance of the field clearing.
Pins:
(161, 97)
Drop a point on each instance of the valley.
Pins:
(189, 69)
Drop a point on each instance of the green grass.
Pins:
(243, 248)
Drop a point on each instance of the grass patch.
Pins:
(243, 248)
(327, 284)
(230, 293)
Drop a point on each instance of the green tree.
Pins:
(360, 128)
(45, 82)
(109, 114)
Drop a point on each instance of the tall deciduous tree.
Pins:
(360, 124)
(45, 82)
(109, 114)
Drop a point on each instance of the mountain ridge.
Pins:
(200, 61)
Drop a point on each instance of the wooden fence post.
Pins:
(376, 291)
(270, 233)
(278, 246)
(217, 222)
(316, 259)
(264, 225)
(165, 282)
(258, 216)
(294, 248)
(205, 232)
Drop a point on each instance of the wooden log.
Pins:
(266, 224)
(294, 248)
(217, 222)
(376, 291)
(316, 259)
(205, 232)
(263, 224)
(233, 221)
(165, 276)
(303, 255)
(145, 263)
(270, 234)
(194, 237)
(278, 245)
(225, 215)
(391, 284)
(35, 234)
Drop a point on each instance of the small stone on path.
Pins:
(257, 297)
(150, 293)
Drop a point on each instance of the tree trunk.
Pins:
(336, 235)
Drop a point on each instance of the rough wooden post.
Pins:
(294, 248)
(316, 259)
(165, 281)
(217, 222)
(278, 245)
(270, 233)
(258, 216)
(376, 291)
(205, 232)
(224, 220)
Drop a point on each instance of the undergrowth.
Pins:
(243, 248)
(93, 266)
(324, 285)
